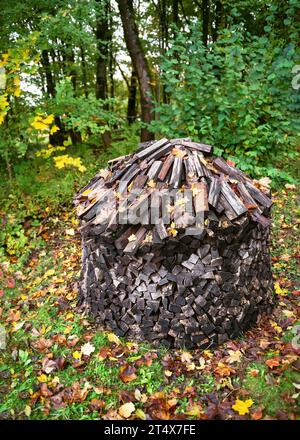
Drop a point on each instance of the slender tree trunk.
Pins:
(219, 12)
(205, 21)
(58, 137)
(103, 37)
(131, 106)
(139, 63)
(83, 69)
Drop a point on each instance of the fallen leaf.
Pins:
(140, 414)
(10, 284)
(242, 407)
(49, 273)
(113, 338)
(76, 354)
(126, 410)
(274, 362)
(27, 410)
(42, 378)
(223, 370)
(132, 237)
(257, 414)
(127, 373)
(234, 356)
(87, 349)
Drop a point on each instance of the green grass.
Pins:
(272, 393)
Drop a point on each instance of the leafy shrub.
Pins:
(236, 94)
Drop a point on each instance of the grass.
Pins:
(38, 290)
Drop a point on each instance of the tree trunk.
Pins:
(205, 21)
(103, 37)
(83, 69)
(58, 137)
(131, 106)
(139, 63)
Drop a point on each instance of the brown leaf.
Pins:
(42, 344)
(127, 373)
(96, 405)
(257, 414)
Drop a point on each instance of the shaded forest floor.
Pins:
(57, 365)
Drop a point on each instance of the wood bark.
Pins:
(140, 64)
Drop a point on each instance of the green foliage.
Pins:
(236, 94)
(87, 115)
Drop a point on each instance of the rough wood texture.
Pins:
(178, 283)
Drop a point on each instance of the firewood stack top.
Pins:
(175, 246)
(217, 188)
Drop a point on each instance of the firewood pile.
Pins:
(175, 246)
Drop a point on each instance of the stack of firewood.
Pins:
(188, 269)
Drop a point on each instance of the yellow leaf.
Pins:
(140, 414)
(27, 410)
(242, 407)
(113, 338)
(76, 354)
(42, 378)
(49, 273)
(48, 120)
(194, 411)
(276, 326)
(279, 290)
(126, 410)
(86, 192)
(132, 237)
(54, 129)
(151, 184)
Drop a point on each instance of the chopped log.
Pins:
(142, 154)
(161, 230)
(154, 170)
(165, 168)
(133, 245)
(204, 148)
(232, 199)
(258, 195)
(160, 152)
(176, 175)
(220, 164)
(246, 197)
(200, 203)
(214, 192)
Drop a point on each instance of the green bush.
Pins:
(236, 94)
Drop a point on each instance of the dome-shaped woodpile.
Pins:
(175, 246)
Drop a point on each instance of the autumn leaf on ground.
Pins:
(126, 410)
(223, 370)
(127, 373)
(279, 290)
(257, 414)
(234, 356)
(242, 407)
(113, 338)
(42, 344)
(87, 349)
(274, 362)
